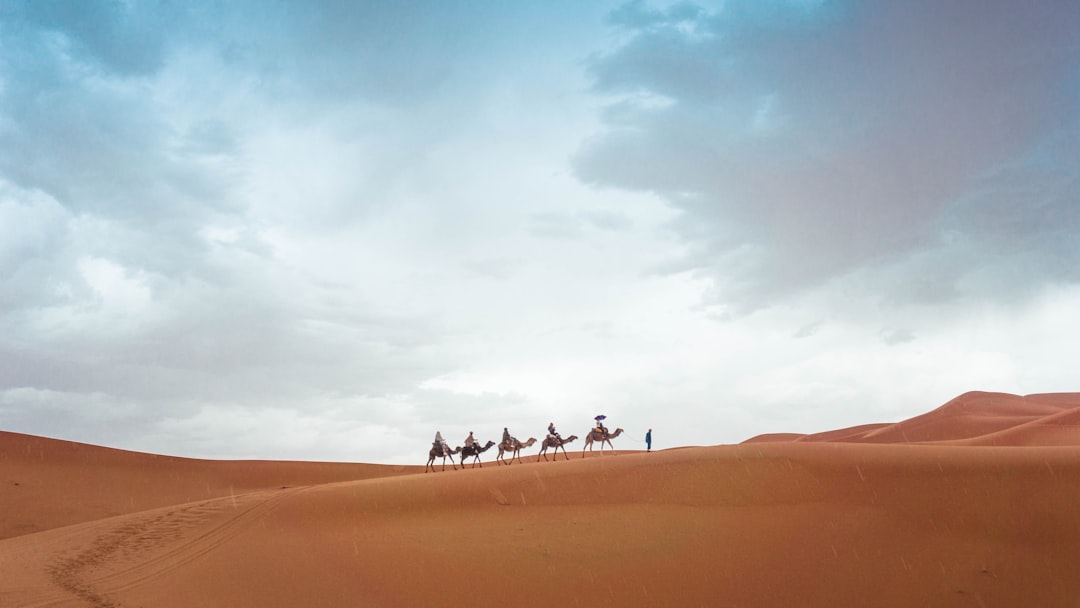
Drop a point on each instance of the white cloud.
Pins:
(327, 235)
(120, 294)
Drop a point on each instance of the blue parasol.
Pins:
(601, 417)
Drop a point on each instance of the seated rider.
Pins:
(506, 435)
(440, 443)
(552, 432)
(470, 441)
(600, 427)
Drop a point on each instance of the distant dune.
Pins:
(971, 504)
(49, 483)
(975, 418)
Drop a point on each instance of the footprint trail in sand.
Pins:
(137, 548)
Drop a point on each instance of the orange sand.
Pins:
(972, 504)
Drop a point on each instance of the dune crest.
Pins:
(48, 483)
(974, 418)
(975, 512)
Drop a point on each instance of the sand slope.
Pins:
(48, 483)
(975, 418)
(783, 522)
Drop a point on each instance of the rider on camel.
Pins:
(506, 436)
(471, 441)
(552, 432)
(440, 442)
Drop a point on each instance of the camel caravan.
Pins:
(511, 446)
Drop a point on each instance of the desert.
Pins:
(970, 504)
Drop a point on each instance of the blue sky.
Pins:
(324, 230)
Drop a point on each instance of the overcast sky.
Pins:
(324, 230)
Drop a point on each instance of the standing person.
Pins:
(648, 441)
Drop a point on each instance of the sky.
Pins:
(325, 230)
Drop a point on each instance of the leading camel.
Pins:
(474, 452)
(551, 441)
(444, 451)
(514, 447)
(597, 436)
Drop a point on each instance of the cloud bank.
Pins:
(916, 144)
(325, 231)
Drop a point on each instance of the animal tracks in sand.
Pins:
(141, 547)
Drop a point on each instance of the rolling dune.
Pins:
(49, 483)
(971, 512)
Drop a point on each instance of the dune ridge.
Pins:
(976, 513)
(974, 418)
(50, 482)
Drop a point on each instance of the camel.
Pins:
(597, 436)
(514, 446)
(436, 451)
(474, 452)
(552, 441)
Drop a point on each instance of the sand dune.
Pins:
(785, 520)
(975, 418)
(49, 483)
